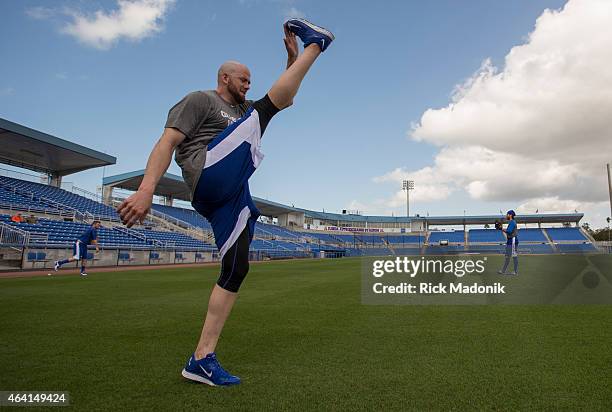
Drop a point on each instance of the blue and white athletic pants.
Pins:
(222, 194)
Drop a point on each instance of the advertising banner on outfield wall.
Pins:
(475, 280)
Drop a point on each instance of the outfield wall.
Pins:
(44, 258)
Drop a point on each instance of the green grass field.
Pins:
(300, 339)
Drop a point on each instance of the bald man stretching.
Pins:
(216, 135)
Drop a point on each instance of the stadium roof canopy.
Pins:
(170, 185)
(174, 186)
(446, 220)
(270, 208)
(481, 220)
(34, 150)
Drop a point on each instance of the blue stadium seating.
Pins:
(412, 239)
(186, 215)
(273, 240)
(485, 236)
(173, 239)
(193, 218)
(34, 195)
(324, 237)
(263, 229)
(37, 256)
(456, 236)
(63, 233)
(17, 201)
(565, 233)
(531, 235)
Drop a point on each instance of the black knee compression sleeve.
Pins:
(235, 263)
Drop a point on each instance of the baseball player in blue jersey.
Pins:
(216, 138)
(512, 242)
(79, 249)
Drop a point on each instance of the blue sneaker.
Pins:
(310, 33)
(208, 370)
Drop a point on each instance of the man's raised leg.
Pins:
(288, 84)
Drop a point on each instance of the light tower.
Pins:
(408, 185)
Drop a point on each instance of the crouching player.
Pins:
(79, 249)
(512, 242)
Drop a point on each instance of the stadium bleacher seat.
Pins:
(485, 236)
(456, 236)
(174, 239)
(531, 235)
(186, 215)
(565, 234)
(264, 229)
(37, 257)
(271, 240)
(65, 233)
(45, 198)
(405, 239)
(124, 257)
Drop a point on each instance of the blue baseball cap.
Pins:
(511, 212)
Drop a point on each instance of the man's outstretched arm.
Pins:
(136, 207)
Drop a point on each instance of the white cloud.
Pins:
(133, 20)
(537, 130)
(551, 205)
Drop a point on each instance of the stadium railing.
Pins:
(12, 236)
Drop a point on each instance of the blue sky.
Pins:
(350, 123)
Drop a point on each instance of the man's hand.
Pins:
(135, 208)
(291, 45)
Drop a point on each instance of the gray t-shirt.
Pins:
(200, 116)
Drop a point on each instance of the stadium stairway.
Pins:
(390, 247)
(550, 242)
(137, 236)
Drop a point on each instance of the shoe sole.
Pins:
(318, 29)
(196, 378)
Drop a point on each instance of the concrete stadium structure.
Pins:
(173, 235)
